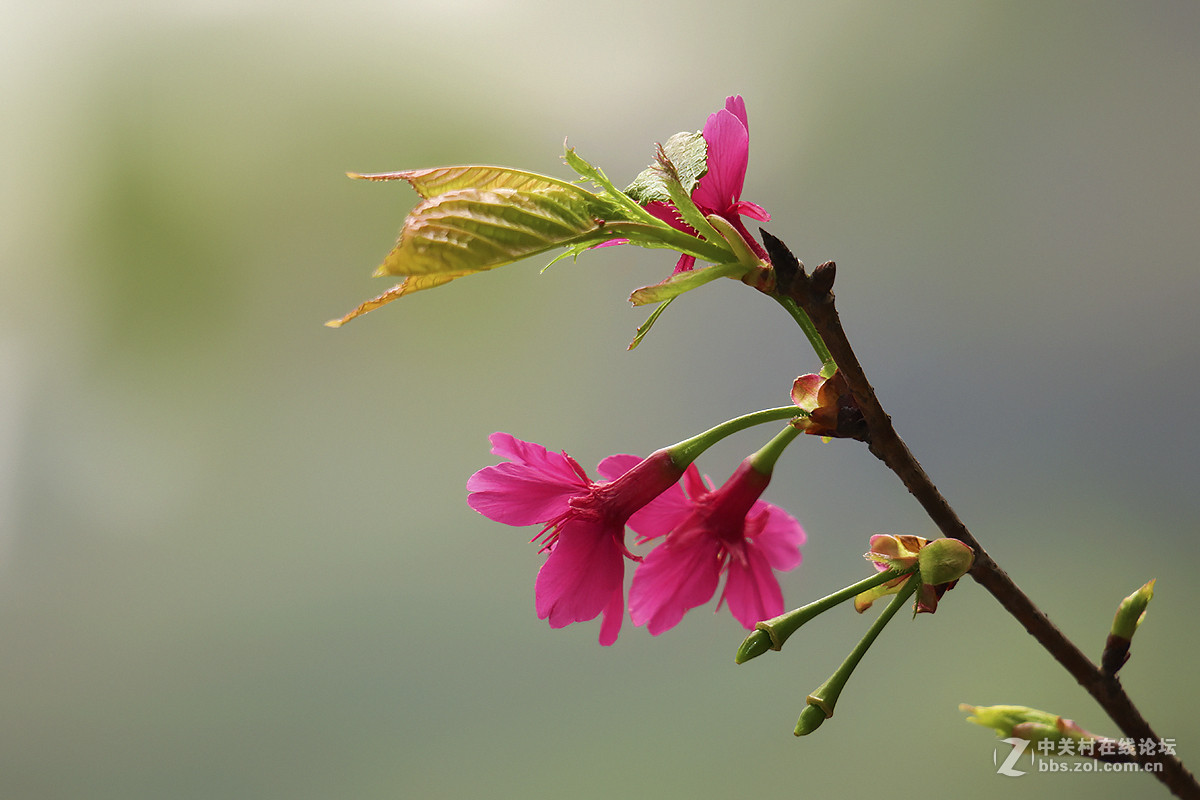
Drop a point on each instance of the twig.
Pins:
(813, 294)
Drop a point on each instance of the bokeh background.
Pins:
(235, 556)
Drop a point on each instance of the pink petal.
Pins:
(805, 390)
(518, 495)
(532, 487)
(664, 513)
(696, 486)
(751, 590)
(532, 455)
(674, 578)
(684, 264)
(668, 214)
(728, 154)
(752, 210)
(581, 574)
(780, 538)
(735, 105)
(614, 467)
(614, 613)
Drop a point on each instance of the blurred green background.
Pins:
(235, 556)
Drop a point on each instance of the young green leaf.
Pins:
(688, 152)
(440, 180)
(644, 328)
(682, 282)
(471, 230)
(409, 285)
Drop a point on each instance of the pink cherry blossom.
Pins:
(719, 191)
(584, 522)
(708, 532)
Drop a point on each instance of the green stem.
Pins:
(689, 450)
(660, 234)
(828, 365)
(772, 633)
(825, 696)
(785, 625)
(764, 460)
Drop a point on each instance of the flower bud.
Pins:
(1010, 721)
(1030, 724)
(810, 719)
(1129, 615)
(1132, 611)
(944, 560)
(753, 646)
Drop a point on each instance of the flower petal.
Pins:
(669, 214)
(735, 105)
(675, 577)
(752, 210)
(533, 486)
(517, 495)
(686, 263)
(752, 590)
(614, 467)
(614, 614)
(805, 391)
(581, 574)
(780, 537)
(728, 154)
(532, 455)
(667, 511)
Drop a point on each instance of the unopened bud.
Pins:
(944, 560)
(810, 719)
(1010, 721)
(1129, 615)
(1132, 611)
(1030, 724)
(753, 646)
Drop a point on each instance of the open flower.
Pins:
(719, 190)
(709, 532)
(584, 522)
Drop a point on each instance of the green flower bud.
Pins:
(1129, 615)
(753, 646)
(1132, 611)
(810, 719)
(944, 560)
(1010, 721)
(1022, 722)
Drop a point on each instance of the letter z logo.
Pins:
(1007, 768)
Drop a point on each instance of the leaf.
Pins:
(682, 282)
(475, 218)
(440, 180)
(623, 205)
(471, 230)
(644, 328)
(409, 285)
(688, 211)
(688, 153)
